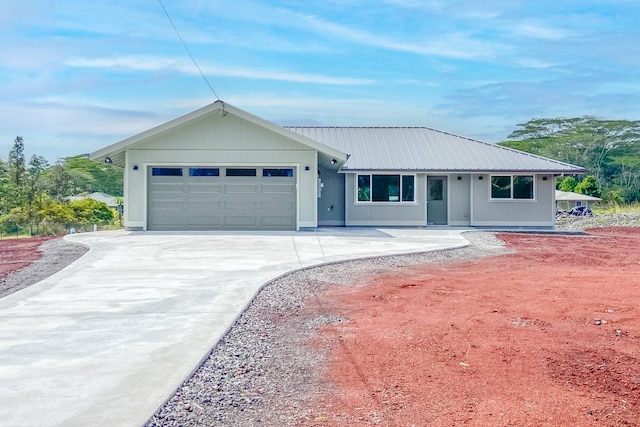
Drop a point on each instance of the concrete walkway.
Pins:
(105, 341)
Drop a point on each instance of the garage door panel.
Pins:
(169, 221)
(196, 207)
(232, 188)
(241, 221)
(281, 207)
(204, 221)
(221, 202)
(278, 221)
(170, 189)
(204, 191)
(166, 204)
(287, 189)
(241, 207)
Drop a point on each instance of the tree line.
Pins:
(34, 196)
(608, 149)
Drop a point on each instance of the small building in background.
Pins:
(107, 199)
(567, 200)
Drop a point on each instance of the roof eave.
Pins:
(476, 171)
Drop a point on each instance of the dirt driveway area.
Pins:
(547, 335)
(18, 253)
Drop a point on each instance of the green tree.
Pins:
(15, 219)
(608, 149)
(57, 181)
(90, 176)
(32, 194)
(16, 166)
(3, 188)
(56, 216)
(34, 190)
(567, 183)
(620, 195)
(588, 186)
(89, 211)
(14, 190)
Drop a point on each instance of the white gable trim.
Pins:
(116, 151)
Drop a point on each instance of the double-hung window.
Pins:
(518, 187)
(385, 188)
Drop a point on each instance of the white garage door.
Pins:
(215, 198)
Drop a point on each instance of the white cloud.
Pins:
(533, 63)
(332, 111)
(140, 63)
(150, 63)
(458, 45)
(417, 82)
(539, 31)
(55, 129)
(419, 4)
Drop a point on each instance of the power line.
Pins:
(188, 51)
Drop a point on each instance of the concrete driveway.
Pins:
(106, 340)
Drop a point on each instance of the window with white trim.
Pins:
(385, 188)
(517, 187)
(166, 171)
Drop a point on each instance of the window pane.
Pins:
(166, 171)
(500, 187)
(386, 188)
(241, 172)
(407, 188)
(204, 172)
(523, 187)
(277, 172)
(436, 188)
(364, 188)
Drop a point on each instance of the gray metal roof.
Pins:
(425, 149)
(571, 197)
(107, 199)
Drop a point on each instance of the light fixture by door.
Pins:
(333, 161)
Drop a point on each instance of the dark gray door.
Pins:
(214, 198)
(437, 200)
(331, 200)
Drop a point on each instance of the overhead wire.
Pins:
(188, 51)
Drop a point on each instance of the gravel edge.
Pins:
(581, 223)
(56, 255)
(264, 371)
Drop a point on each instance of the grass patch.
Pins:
(615, 208)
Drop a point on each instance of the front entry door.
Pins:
(437, 200)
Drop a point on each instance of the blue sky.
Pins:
(77, 75)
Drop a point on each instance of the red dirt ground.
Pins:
(18, 253)
(546, 336)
